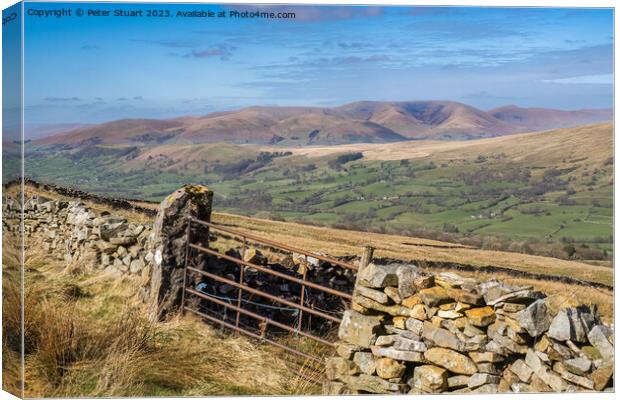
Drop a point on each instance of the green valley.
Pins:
(547, 193)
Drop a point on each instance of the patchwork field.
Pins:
(547, 193)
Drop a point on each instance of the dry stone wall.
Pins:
(406, 331)
(85, 238)
(411, 332)
(78, 236)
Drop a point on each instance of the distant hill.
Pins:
(126, 131)
(535, 119)
(430, 119)
(359, 122)
(36, 131)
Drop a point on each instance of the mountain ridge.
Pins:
(539, 119)
(357, 122)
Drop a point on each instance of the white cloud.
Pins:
(601, 79)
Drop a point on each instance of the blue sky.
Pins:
(11, 78)
(93, 69)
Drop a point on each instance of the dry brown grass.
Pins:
(11, 371)
(11, 321)
(86, 335)
(340, 242)
(547, 147)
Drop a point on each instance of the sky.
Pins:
(11, 74)
(93, 69)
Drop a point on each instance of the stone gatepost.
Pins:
(169, 242)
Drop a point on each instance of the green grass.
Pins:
(482, 198)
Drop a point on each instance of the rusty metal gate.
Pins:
(247, 303)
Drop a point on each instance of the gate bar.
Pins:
(252, 334)
(257, 316)
(186, 263)
(272, 272)
(240, 294)
(302, 295)
(276, 244)
(264, 294)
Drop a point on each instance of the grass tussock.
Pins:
(87, 335)
(11, 320)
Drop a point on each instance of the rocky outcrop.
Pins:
(411, 332)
